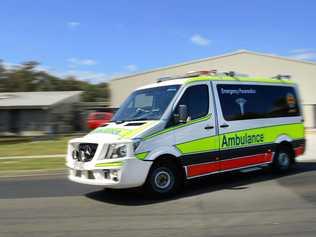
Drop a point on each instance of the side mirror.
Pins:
(183, 113)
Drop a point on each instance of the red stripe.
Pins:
(200, 169)
(194, 170)
(299, 150)
(245, 161)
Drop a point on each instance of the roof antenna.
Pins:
(234, 74)
(161, 79)
(280, 77)
(230, 74)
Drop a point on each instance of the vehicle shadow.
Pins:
(207, 184)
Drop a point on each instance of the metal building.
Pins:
(37, 112)
(242, 61)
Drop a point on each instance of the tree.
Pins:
(3, 78)
(26, 77)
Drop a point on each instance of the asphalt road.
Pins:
(253, 204)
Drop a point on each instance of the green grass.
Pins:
(49, 147)
(32, 164)
(28, 148)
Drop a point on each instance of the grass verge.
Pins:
(32, 164)
(48, 147)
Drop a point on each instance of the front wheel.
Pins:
(163, 179)
(283, 160)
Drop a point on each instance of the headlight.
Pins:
(136, 143)
(117, 151)
(75, 155)
(121, 151)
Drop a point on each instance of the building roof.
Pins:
(41, 99)
(242, 51)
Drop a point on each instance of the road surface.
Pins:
(253, 204)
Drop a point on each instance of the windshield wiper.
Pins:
(140, 119)
(130, 120)
(118, 121)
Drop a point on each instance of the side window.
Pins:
(196, 98)
(241, 102)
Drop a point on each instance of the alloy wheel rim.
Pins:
(284, 160)
(162, 180)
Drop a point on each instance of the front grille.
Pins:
(85, 152)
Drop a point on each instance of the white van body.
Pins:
(235, 123)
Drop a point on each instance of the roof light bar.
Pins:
(202, 73)
(188, 74)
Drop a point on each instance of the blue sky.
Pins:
(96, 40)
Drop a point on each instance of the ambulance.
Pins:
(184, 127)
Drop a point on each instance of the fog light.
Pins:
(114, 175)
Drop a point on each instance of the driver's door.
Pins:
(197, 139)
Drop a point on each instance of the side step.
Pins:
(251, 169)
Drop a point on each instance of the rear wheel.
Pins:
(283, 159)
(163, 179)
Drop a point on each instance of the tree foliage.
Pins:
(27, 77)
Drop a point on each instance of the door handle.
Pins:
(224, 126)
(209, 127)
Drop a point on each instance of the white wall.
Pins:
(244, 62)
(309, 116)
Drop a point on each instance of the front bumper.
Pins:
(119, 173)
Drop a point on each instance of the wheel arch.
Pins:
(163, 151)
(285, 141)
(171, 159)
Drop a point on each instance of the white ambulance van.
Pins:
(185, 127)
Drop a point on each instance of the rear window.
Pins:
(241, 102)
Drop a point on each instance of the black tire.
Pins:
(283, 160)
(164, 179)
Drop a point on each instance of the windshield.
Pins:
(146, 104)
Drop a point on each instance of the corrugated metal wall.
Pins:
(249, 63)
